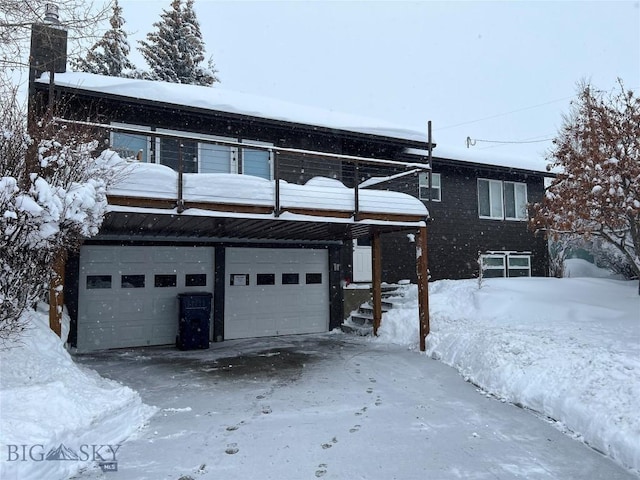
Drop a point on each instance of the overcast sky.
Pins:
(500, 71)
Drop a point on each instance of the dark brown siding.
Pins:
(457, 234)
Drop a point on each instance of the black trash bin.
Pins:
(193, 326)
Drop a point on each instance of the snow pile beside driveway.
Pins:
(55, 416)
(566, 348)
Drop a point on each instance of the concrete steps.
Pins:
(360, 322)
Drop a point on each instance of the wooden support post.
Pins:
(180, 203)
(423, 286)
(56, 293)
(376, 269)
(276, 178)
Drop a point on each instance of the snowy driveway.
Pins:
(328, 406)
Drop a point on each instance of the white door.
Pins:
(362, 260)
(272, 292)
(127, 296)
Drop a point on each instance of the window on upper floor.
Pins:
(500, 200)
(169, 152)
(199, 154)
(436, 186)
(131, 145)
(515, 201)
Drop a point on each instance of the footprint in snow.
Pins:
(329, 445)
(361, 411)
(369, 390)
(354, 429)
(232, 448)
(322, 470)
(266, 410)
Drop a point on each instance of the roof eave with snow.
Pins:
(234, 104)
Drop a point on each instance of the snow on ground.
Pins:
(330, 406)
(47, 400)
(566, 348)
(577, 267)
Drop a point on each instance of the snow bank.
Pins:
(577, 267)
(51, 407)
(566, 348)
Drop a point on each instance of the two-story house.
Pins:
(271, 207)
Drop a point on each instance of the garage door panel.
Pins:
(100, 309)
(134, 256)
(166, 304)
(100, 255)
(142, 314)
(279, 309)
(135, 306)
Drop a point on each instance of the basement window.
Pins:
(507, 264)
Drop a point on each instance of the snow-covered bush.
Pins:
(608, 257)
(52, 195)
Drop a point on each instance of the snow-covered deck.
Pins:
(244, 206)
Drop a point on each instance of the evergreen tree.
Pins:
(175, 51)
(195, 43)
(109, 56)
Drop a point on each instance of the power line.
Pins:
(472, 141)
(507, 113)
(518, 110)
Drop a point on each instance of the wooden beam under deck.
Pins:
(389, 217)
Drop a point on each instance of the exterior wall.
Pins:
(294, 168)
(457, 234)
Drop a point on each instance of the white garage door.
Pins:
(127, 296)
(275, 292)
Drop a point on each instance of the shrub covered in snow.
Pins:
(52, 195)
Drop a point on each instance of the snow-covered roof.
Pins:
(229, 101)
(223, 100)
(481, 157)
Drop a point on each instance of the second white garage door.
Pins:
(272, 292)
